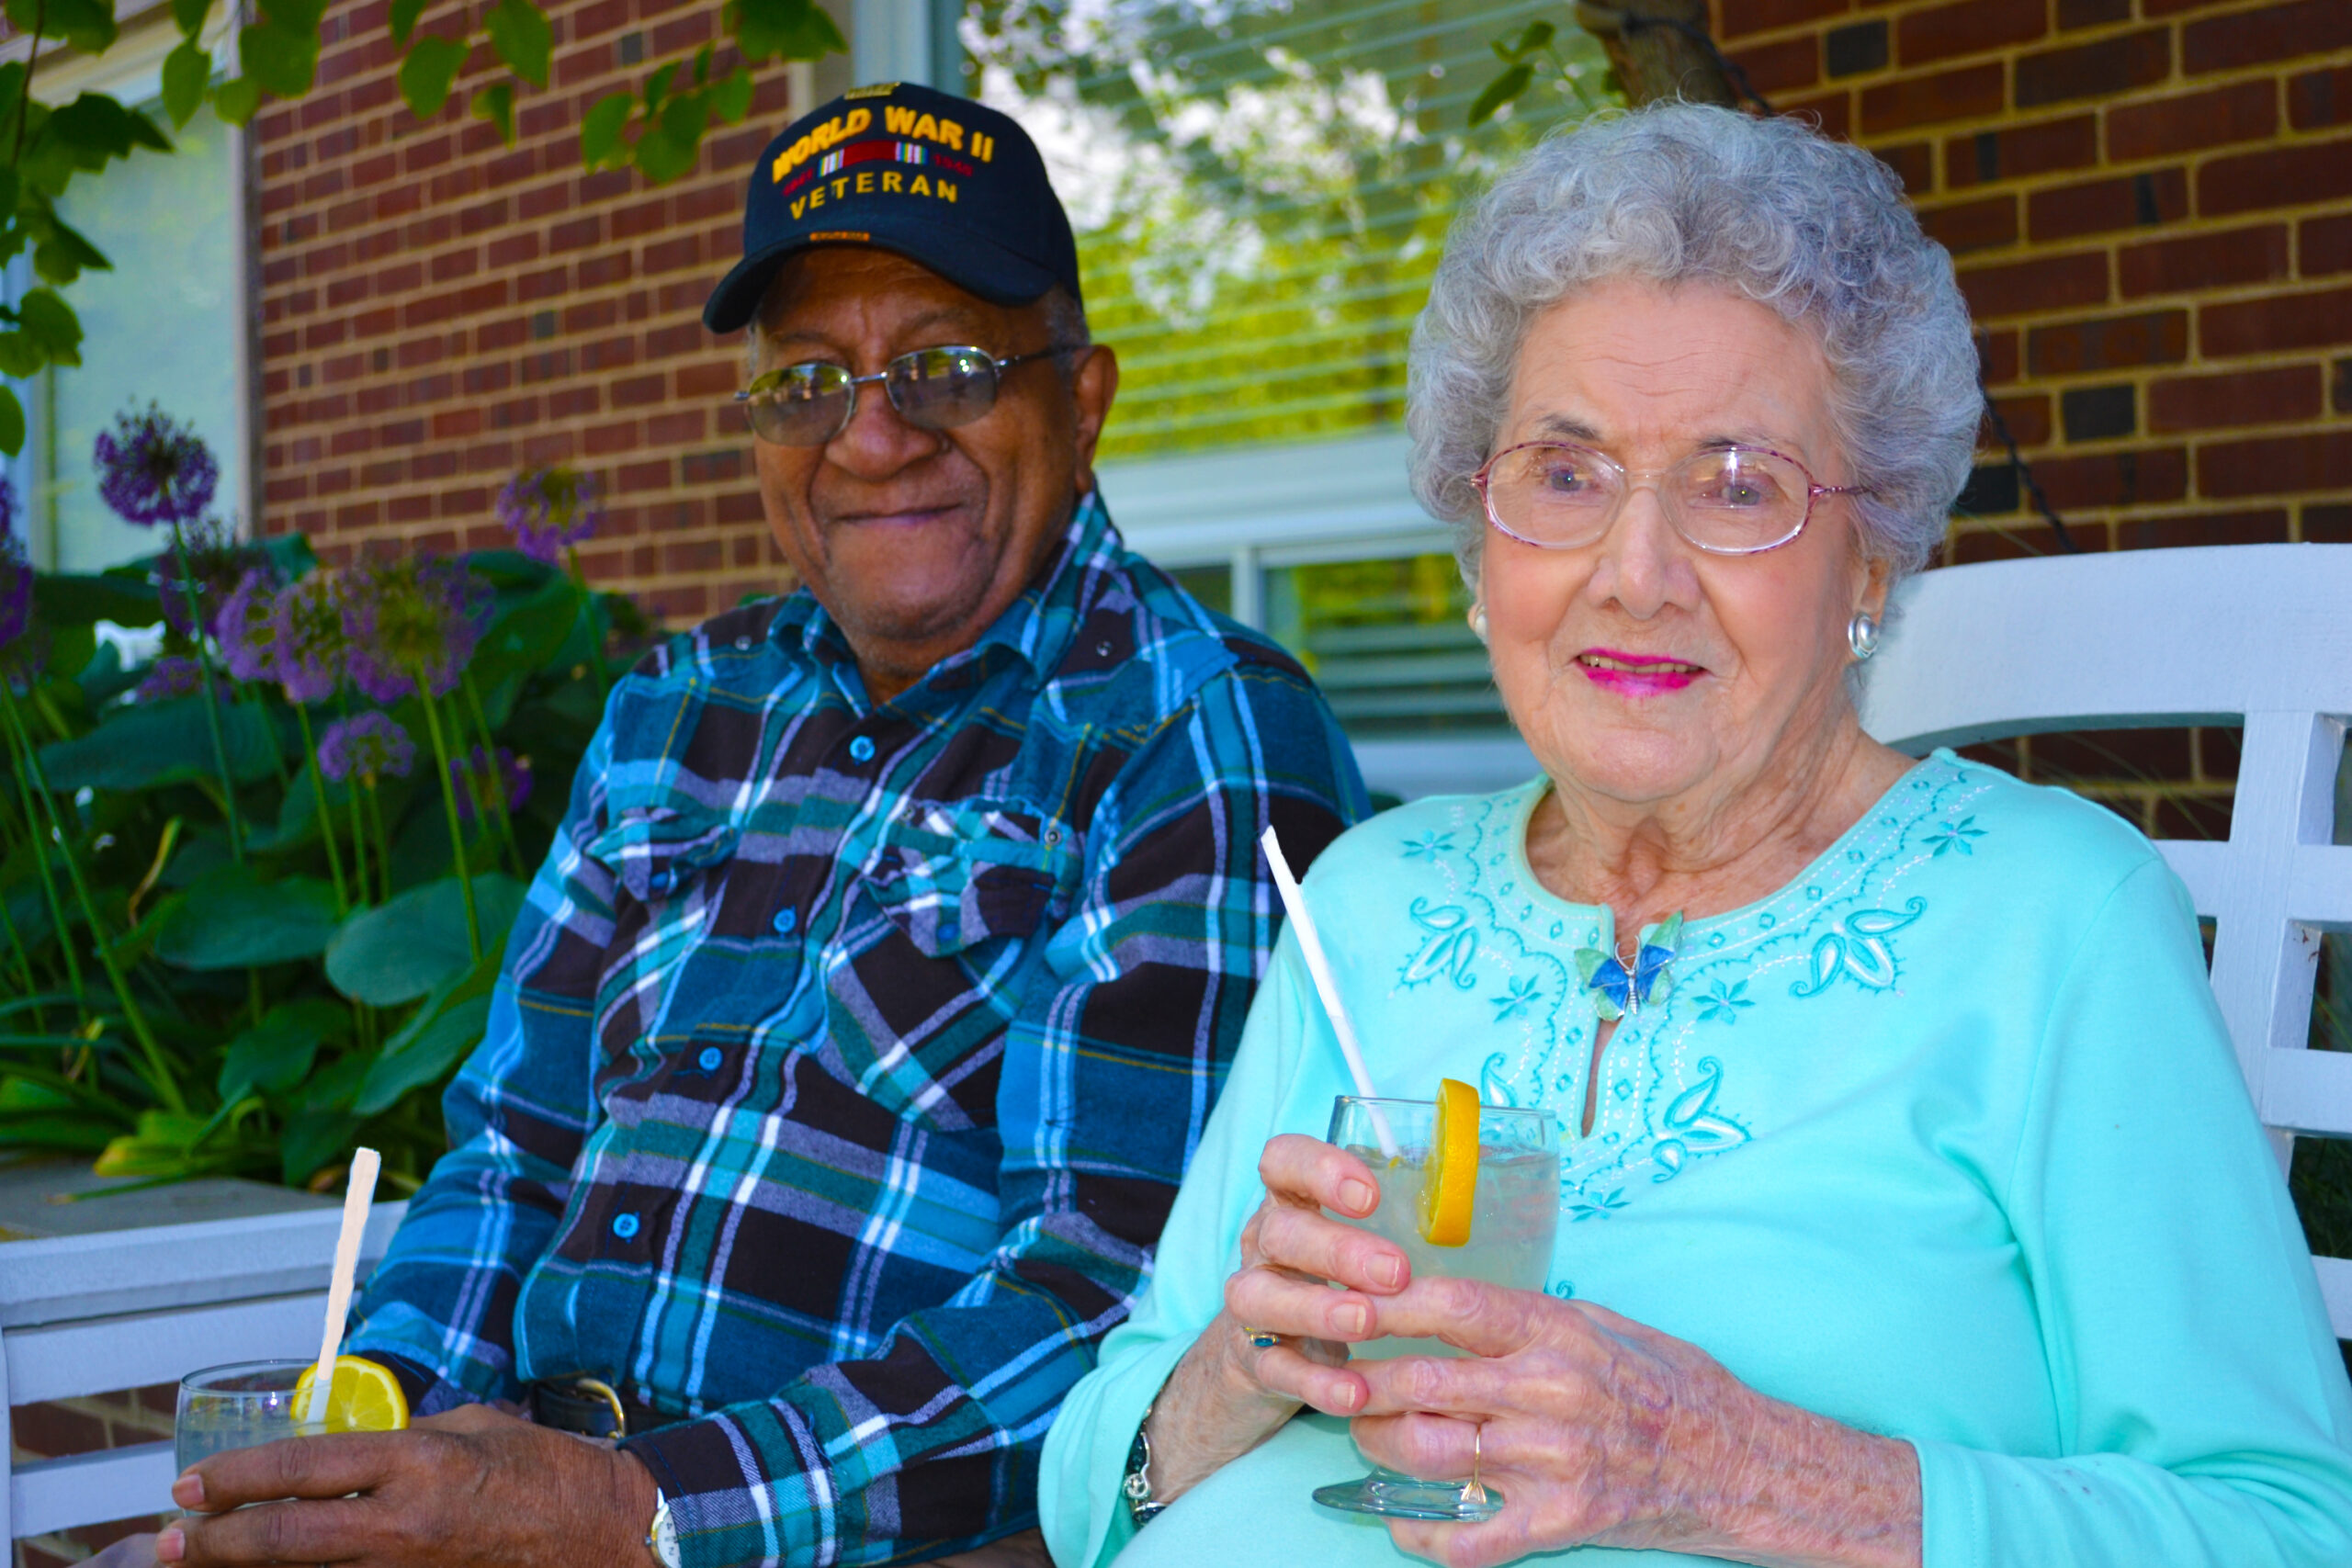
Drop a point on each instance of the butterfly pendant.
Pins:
(1620, 993)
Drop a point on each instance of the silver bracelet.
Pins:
(1141, 1510)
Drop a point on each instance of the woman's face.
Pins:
(1641, 668)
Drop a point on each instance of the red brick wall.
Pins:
(87, 1425)
(438, 310)
(2150, 203)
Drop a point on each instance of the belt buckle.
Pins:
(606, 1392)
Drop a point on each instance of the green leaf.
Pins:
(234, 101)
(403, 949)
(1502, 90)
(1533, 36)
(519, 32)
(19, 356)
(87, 25)
(402, 19)
(438, 1048)
(12, 422)
(701, 65)
(67, 599)
(188, 16)
(673, 141)
(796, 30)
(275, 1053)
(233, 919)
(161, 743)
(496, 104)
(310, 1139)
(528, 634)
(297, 15)
(50, 322)
(188, 71)
(600, 131)
(428, 73)
(281, 61)
(730, 99)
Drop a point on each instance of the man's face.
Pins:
(915, 540)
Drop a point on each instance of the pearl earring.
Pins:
(1478, 621)
(1861, 634)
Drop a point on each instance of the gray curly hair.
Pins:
(1814, 229)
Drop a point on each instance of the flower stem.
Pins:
(450, 804)
(326, 816)
(25, 963)
(164, 1084)
(24, 772)
(358, 845)
(383, 839)
(212, 698)
(496, 786)
(590, 613)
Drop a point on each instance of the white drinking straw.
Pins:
(365, 1163)
(1310, 946)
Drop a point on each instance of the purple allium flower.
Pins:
(306, 637)
(170, 677)
(215, 560)
(7, 510)
(366, 746)
(422, 613)
(247, 630)
(549, 509)
(471, 774)
(152, 469)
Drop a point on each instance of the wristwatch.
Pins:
(661, 1537)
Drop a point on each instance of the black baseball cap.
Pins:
(945, 182)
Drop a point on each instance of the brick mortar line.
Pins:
(2093, 32)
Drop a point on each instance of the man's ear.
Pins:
(1093, 389)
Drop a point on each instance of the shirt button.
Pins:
(625, 1225)
(709, 1059)
(862, 749)
(743, 645)
(785, 920)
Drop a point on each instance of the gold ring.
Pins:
(1475, 1492)
(1262, 1339)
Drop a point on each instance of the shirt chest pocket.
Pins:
(939, 951)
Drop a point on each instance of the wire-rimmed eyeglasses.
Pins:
(1726, 501)
(933, 388)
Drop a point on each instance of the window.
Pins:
(167, 323)
(1261, 190)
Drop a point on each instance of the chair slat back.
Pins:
(126, 1309)
(2252, 635)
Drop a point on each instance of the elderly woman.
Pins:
(1911, 1205)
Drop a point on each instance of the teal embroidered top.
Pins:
(1944, 1140)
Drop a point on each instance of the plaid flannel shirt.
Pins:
(847, 1056)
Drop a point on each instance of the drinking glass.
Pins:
(242, 1406)
(1514, 1216)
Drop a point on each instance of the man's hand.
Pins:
(472, 1486)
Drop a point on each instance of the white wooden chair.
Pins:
(2254, 634)
(88, 1315)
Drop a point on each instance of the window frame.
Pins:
(1255, 509)
(132, 72)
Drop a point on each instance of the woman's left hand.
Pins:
(1598, 1430)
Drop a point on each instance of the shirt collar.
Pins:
(1037, 626)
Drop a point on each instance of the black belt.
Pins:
(591, 1407)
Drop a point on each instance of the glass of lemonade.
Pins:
(1514, 1217)
(239, 1407)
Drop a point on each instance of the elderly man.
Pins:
(857, 1031)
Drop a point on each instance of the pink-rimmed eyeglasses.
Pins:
(1726, 501)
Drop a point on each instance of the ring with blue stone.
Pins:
(1262, 1339)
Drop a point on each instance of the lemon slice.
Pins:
(364, 1398)
(1449, 1181)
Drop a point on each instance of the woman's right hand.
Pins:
(1227, 1395)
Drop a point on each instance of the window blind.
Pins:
(1260, 189)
